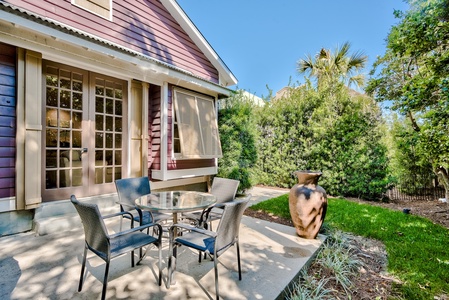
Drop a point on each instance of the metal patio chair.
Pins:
(224, 190)
(106, 246)
(128, 190)
(214, 243)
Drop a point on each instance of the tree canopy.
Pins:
(339, 65)
(414, 75)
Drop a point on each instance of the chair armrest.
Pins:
(124, 204)
(205, 215)
(117, 214)
(192, 228)
(121, 213)
(139, 228)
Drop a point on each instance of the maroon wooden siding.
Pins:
(7, 120)
(144, 26)
(154, 129)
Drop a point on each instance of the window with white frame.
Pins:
(99, 7)
(195, 129)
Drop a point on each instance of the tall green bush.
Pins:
(238, 136)
(332, 129)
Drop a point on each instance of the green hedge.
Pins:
(333, 130)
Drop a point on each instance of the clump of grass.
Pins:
(309, 288)
(337, 262)
(339, 259)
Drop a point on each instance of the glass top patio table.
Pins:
(175, 202)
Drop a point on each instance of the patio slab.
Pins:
(48, 267)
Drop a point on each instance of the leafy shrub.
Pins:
(334, 130)
(238, 135)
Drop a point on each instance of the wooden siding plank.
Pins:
(7, 121)
(6, 173)
(7, 111)
(7, 100)
(6, 182)
(7, 80)
(7, 69)
(156, 148)
(6, 162)
(7, 132)
(5, 193)
(190, 164)
(7, 152)
(6, 90)
(7, 54)
(7, 142)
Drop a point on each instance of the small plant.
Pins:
(337, 261)
(309, 288)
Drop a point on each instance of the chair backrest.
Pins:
(129, 189)
(96, 234)
(224, 189)
(228, 228)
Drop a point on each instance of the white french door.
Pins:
(83, 132)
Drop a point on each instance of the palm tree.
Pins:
(328, 66)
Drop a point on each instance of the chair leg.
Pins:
(238, 261)
(159, 246)
(105, 281)
(132, 258)
(83, 266)
(216, 277)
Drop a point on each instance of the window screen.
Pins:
(196, 126)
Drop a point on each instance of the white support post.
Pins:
(164, 130)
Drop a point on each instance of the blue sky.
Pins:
(261, 41)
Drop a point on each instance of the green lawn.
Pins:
(418, 250)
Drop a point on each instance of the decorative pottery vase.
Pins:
(308, 204)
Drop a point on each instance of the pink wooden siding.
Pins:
(154, 128)
(7, 120)
(144, 26)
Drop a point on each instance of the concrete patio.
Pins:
(48, 267)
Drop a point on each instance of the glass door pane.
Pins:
(63, 128)
(108, 130)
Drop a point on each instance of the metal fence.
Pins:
(416, 193)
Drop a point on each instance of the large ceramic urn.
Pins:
(308, 204)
